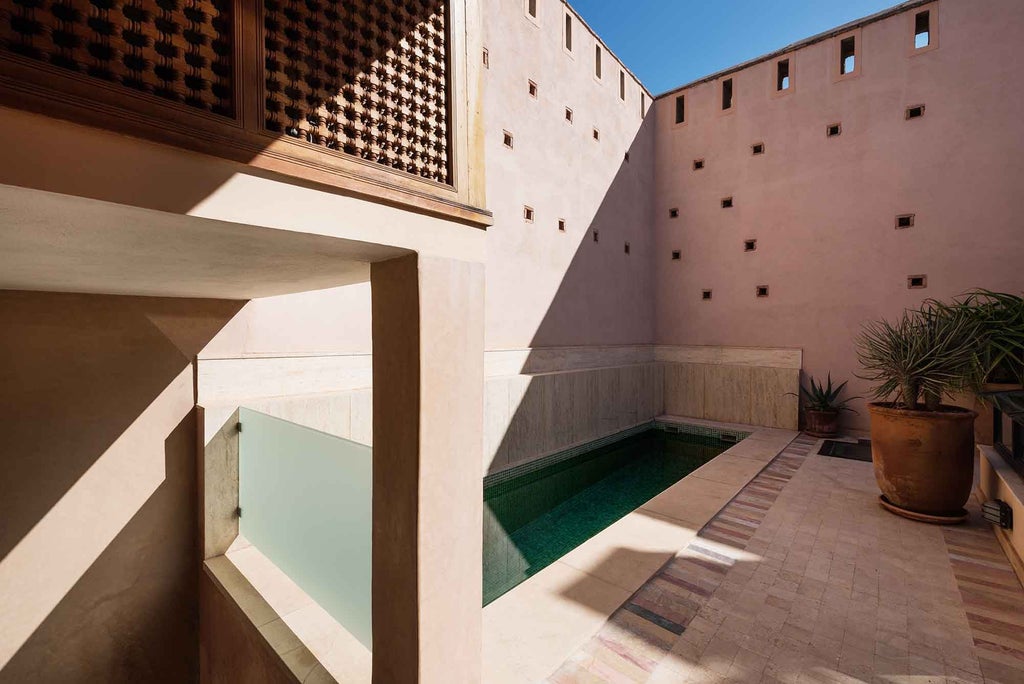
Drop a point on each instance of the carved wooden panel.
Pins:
(367, 78)
(180, 50)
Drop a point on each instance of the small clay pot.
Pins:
(821, 423)
(924, 460)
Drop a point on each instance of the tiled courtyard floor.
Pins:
(804, 578)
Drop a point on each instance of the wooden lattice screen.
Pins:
(180, 50)
(363, 77)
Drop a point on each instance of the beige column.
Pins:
(427, 444)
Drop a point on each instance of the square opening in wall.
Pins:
(507, 139)
(597, 134)
(727, 202)
(533, 89)
(705, 295)
(922, 30)
(625, 248)
(561, 225)
(676, 255)
(914, 112)
(749, 245)
(832, 130)
(698, 164)
(757, 148)
(673, 213)
(917, 282)
(847, 55)
(762, 290)
(904, 221)
(568, 115)
(528, 214)
(596, 236)
(782, 75)
(727, 94)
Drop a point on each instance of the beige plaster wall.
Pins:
(98, 544)
(546, 287)
(823, 209)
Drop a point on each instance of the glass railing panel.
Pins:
(305, 499)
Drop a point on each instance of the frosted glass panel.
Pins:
(305, 498)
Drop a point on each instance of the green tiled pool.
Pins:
(533, 518)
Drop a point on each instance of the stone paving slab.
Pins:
(802, 577)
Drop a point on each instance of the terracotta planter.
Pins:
(821, 423)
(924, 460)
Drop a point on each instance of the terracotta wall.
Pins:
(98, 540)
(823, 209)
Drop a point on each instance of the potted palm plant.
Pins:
(922, 449)
(822, 407)
(1000, 355)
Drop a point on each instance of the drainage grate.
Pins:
(855, 451)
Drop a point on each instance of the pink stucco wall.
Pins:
(546, 287)
(823, 209)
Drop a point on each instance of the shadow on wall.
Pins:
(98, 503)
(605, 297)
(173, 182)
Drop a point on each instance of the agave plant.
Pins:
(1000, 350)
(822, 396)
(927, 353)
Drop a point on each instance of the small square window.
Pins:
(680, 109)
(597, 134)
(561, 225)
(487, 58)
(848, 55)
(749, 245)
(625, 248)
(914, 112)
(533, 90)
(528, 214)
(673, 213)
(507, 139)
(922, 30)
(757, 148)
(832, 130)
(917, 282)
(904, 221)
(568, 115)
(596, 236)
(727, 94)
(762, 290)
(782, 75)
(676, 255)
(705, 295)
(698, 164)
(727, 202)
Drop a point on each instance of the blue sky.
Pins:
(667, 43)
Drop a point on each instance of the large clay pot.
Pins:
(821, 423)
(924, 460)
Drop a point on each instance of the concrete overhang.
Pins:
(62, 243)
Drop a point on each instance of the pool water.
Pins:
(533, 519)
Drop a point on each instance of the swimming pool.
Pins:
(535, 515)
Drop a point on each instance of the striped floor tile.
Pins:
(992, 598)
(643, 630)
